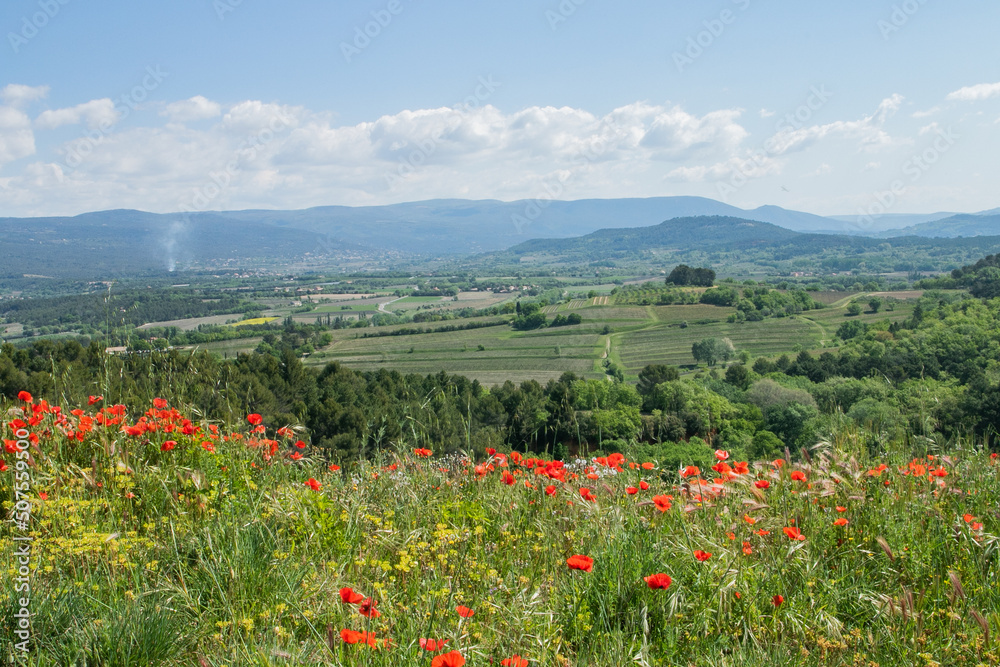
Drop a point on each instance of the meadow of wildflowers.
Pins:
(159, 538)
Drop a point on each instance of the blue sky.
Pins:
(223, 104)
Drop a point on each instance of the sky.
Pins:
(858, 106)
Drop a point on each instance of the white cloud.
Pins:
(195, 108)
(982, 91)
(929, 112)
(867, 130)
(17, 95)
(764, 113)
(871, 166)
(93, 114)
(16, 138)
(290, 157)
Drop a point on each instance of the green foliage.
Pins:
(684, 276)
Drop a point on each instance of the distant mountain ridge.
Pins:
(110, 243)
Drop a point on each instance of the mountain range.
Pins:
(127, 242)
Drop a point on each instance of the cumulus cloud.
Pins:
(982, 91)
(868, 130)
(93, 114)
(16, 137)
(193, 109)
(263, 155)
(18, 95)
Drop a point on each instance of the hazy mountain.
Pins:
(963, 224)
(120, 242)
(730, 240)
(887, 222)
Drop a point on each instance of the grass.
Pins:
(507, 355)
(186, 556)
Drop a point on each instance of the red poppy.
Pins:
(631, 490)
(741, 468)
(702, 555)
(464, 612)
(550, 490)
(167, 446)
(352, 637)
(334, 467)
(585, 563)
(778, 463)
(721, 454)
(841, 522)
(24, 396)
(514, 661)
(749, 519)
(422, 452)
(367, 608)
(3, 466)
(747, 549)
(841, 509)
(254, 419)
(587, 495)
(762, 484)
(432, 644)
(690, 471)
(348, 596)
(777, 600)
(159, 403)
(644, 485)
(94, 399)
(208, 447)
(794, 534)
(43, 495)
(450, 659)
(798, 476)
(969, 518)
(662, 503)
(313, 484)
(508, 479)
(648, 465)
(658, 581)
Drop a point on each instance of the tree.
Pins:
(875, 304)
(710, 350)
(655, 374)
(854, 309)
(738, 375)
(683, 275)
(705, 351)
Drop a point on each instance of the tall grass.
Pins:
(144, 556)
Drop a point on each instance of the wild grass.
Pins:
(145, 554)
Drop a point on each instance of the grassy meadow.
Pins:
(161, 539)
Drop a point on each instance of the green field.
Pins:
(508, 354)
(632, 336)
